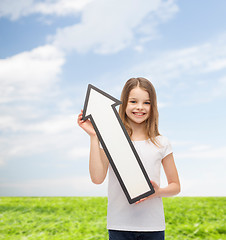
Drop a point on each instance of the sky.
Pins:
(50, 51)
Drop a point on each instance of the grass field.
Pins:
(81, 218)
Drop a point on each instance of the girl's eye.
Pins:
(133, 101)
(147, 103)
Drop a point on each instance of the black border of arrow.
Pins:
(117, 102)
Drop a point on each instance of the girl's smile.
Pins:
(138, 114)
(138, 106)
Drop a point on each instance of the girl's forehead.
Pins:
(138, 92)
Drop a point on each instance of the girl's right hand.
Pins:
(86, 125)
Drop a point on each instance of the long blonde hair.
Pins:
(151, 124)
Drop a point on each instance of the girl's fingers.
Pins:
(80, 115)
(154, 184)
(80, 118)
(141, 200)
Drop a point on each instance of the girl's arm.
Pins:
(170, 169)
(98, 162)
(173, 187)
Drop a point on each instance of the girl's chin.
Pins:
(137, 121)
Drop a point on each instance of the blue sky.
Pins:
(51, 50)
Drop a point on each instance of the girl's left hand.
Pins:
(154, 195)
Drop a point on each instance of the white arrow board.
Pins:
(100, 107)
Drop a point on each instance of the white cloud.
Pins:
(187, 73)
(110, 26)
(21, 138)
(28, 74)
(79, 152)
(56, 124)
(171, 65)
(179, 72)
(70, 186)
(60, 7)
(28, 85)
(14, 9)
(202, 147)
(203, 152)
(201, 169)
(105, 27)
(2, 162)
(219, 89)
(51, 125)
(204, 185)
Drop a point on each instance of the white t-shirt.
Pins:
(149, 214)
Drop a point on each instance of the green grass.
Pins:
(195, 218)
(81, 218)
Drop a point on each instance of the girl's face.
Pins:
(138, 107)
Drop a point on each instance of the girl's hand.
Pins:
(154, 195)
(86, 125)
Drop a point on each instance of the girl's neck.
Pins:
(139, 132)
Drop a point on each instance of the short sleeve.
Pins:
(167, 148)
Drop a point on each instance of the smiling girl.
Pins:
(139, 113)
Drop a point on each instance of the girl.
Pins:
(145, 219)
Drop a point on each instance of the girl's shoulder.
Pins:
(165, 145)
(163, 140)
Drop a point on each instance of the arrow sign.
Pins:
(100, 108)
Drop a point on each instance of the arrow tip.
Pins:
(95, 98)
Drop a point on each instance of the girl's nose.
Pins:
(139, 106)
